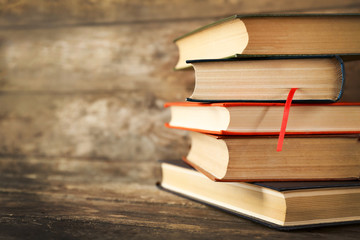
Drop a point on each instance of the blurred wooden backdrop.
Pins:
(88, 79)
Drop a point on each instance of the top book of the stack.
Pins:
(272, 35)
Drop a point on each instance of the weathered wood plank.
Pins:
(122, 125)
(120, 74)
(70, 12)
(87, 59)
(83, 171)
(82, 198)
(203, 221)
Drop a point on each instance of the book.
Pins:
(281, 205)
(272, 34)
(268, 79)
(265, 118)
(254, 158)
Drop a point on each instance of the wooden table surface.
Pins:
(47, 198)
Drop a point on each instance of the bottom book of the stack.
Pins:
(283, 205)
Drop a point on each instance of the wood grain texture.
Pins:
(104, 58)
(123, 125)
(86, 198)
(107, 84)
(72, 12)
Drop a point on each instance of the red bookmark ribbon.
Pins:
(285, 118)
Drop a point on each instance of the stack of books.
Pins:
(259, 79)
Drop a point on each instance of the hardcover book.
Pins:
(254, 158)
(282, 205)
(265, 118)
(268, 79)
(272, 34)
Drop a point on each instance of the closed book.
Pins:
(254, 158)
(265, 118)
(318, 79)
(272, 34)
(281, 205)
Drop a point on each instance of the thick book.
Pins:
(265, 118)
(272, 34)
(281, 205)
(268, 79)
(254, 158)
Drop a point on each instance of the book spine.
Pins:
(343, 77)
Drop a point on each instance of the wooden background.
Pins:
(82, 88)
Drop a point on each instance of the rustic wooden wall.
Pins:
(88, 79)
